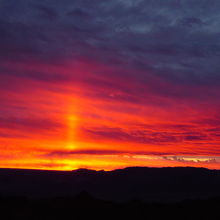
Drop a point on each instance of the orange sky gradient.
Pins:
(89, 120)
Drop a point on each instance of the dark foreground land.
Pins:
(141, 183)
(84, 206)
(131, 193)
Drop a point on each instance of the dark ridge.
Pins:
(85, 206)
(138, 183)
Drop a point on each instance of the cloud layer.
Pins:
(135, 75)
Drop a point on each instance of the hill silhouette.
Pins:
(133, 183)
(84, 206)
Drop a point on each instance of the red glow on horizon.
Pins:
(52, 125)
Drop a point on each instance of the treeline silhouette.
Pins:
(84, 206)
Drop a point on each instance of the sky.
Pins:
(109, 84)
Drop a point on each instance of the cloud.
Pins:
(131, 135)
(85, 151)
(27, 124)
(175, 45)
(194, 159)
(142, 72)
(100, 152)
(46, 12)
(155, 44)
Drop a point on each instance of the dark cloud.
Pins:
(138, 136)
(91, 152)
(191, 21)
(63, 153)
(46, 12)
(9, 135)
(28, 124)
(78, 12)
(178, 41)
(196, 137)
(155, 134)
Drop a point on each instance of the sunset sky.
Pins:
(109, 84)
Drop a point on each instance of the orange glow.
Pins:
(72, 126)
(77, 124)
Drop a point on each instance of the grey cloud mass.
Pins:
(176, 40)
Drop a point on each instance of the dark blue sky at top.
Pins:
(178, 41)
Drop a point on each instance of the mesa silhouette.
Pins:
(133, 183)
